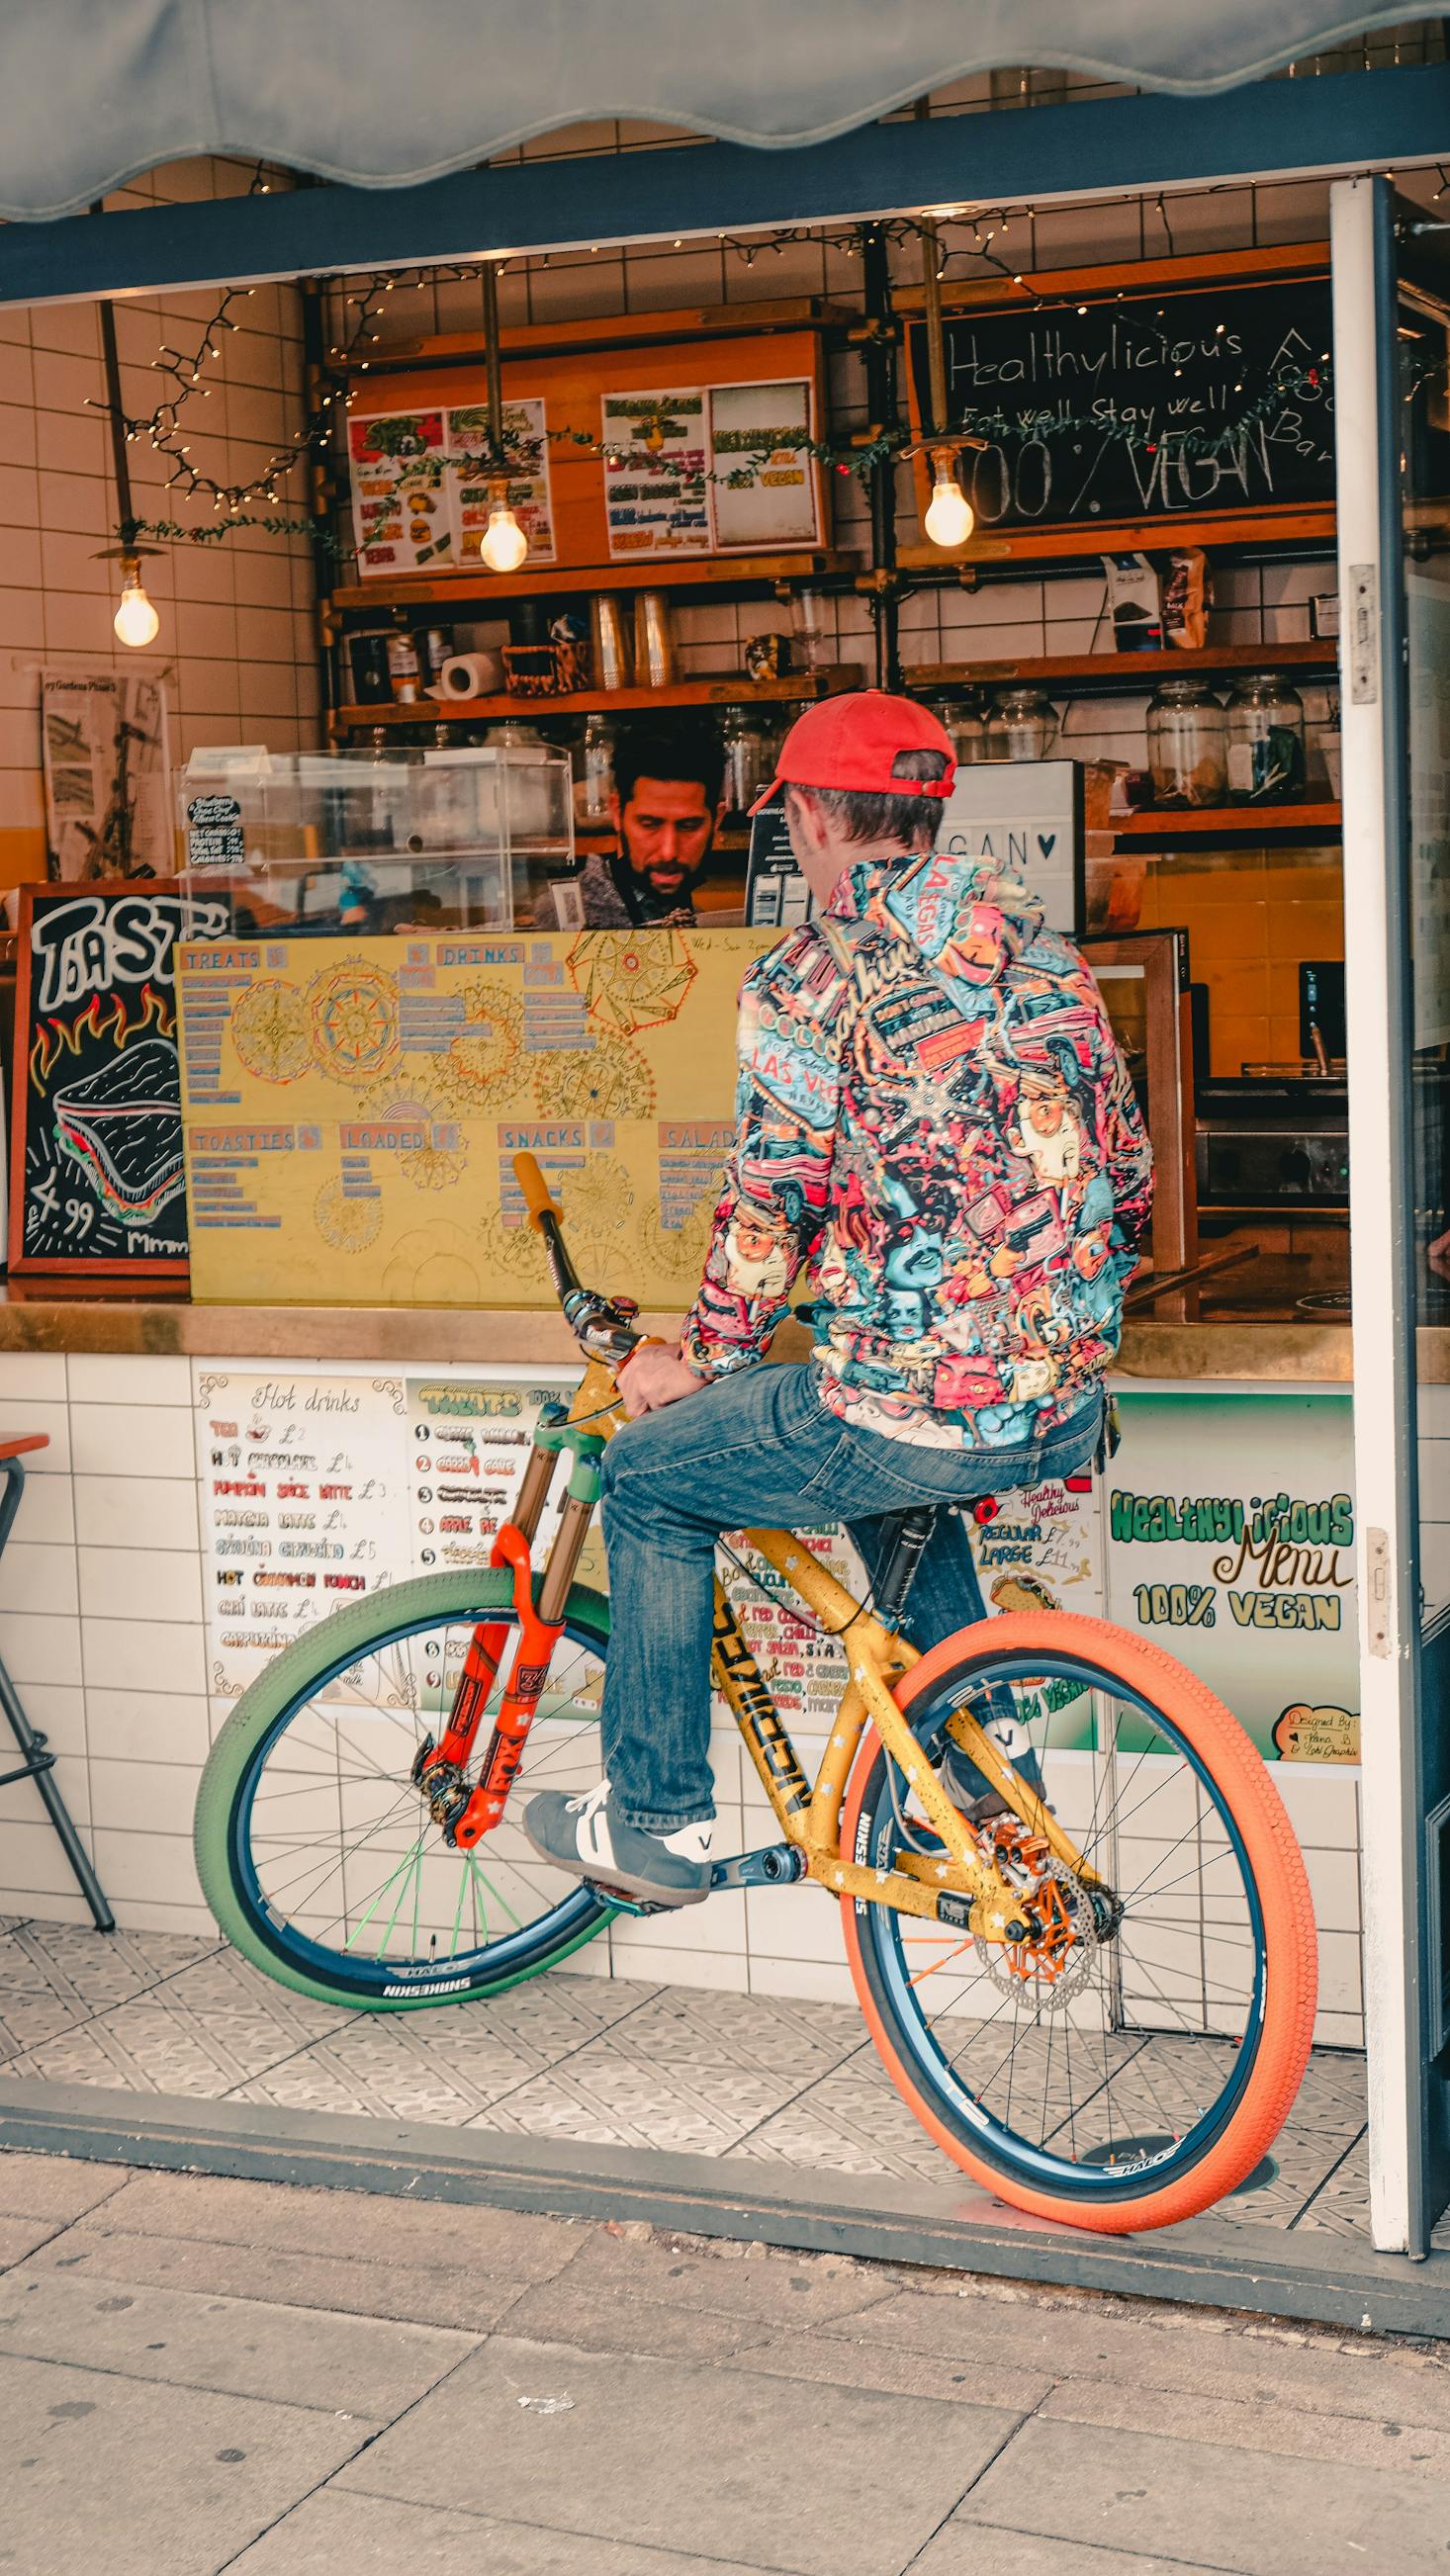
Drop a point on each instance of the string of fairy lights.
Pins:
(966, 241)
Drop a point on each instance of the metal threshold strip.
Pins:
(1321, 2279)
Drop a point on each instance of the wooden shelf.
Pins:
(1228, 823)
(610, 331)
(1307, 529)
(729, 689)
(1125, 671)
(694, 572)
(1133, 278)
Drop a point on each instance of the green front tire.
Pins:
(315, 1851)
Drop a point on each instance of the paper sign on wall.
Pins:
(654, 474)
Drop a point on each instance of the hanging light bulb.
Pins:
(504, 544)
(136, 621)
(950, 517)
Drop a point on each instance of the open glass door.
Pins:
(1392, 389)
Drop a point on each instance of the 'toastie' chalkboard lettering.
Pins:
(97, 1177)
(1211, 399)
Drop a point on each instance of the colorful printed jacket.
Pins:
(935, 1114)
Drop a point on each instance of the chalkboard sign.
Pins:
(97, 1179)
(775, 890)
(1211, 398)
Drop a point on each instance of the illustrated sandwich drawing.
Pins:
(123, 1125)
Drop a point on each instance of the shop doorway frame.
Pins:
(1343, 124)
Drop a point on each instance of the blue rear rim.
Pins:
(1146, 2165)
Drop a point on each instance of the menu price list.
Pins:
(318, 1490)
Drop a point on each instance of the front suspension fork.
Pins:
(465, 1819)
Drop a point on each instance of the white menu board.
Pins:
(303, 1504)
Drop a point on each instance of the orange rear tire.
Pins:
(1156, 2182)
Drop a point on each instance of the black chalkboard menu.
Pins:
(1202, 399)
(97, 1179)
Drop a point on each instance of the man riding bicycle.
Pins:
(935, 1115)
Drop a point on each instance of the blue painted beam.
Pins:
(1350, 120)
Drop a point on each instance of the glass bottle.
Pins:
(742, 739)
(1029, 723)
(1265, 741)
(1187, 744)
(594, 780)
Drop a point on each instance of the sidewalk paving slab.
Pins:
(785, 2474)
(1206, 2504)
(122, 2475)
(439, 2294)
(1104, 2343)
(377, 2536)
(332, 2364)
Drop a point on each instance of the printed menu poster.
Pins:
(527, 444)
(402, 509)
(1231, 1542)
(304, 1506)
(654, 474)
(353, 1107)
(763, 487)
(108, 810)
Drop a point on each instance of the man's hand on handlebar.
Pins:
(656, 1375)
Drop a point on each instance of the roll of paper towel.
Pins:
(470, 675)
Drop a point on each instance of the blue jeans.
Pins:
(760, 1450)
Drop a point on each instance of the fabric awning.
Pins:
(92, 92)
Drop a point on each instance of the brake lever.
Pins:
(601, 1325)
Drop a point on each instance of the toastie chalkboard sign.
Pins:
(97, 1180)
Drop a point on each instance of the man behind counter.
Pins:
(666, 809)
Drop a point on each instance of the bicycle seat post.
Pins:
(913, 1530)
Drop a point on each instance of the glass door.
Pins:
(1392, 393)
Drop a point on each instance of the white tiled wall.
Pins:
(101, 1624)
(236, 639)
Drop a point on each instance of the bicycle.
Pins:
(1100, 2005)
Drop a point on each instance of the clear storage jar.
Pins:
(1187, 744)
(1265, 741)
(1022, 726)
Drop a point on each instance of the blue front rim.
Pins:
(881, 1934)
(428, 1980)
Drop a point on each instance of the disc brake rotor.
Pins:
(1050, 1968)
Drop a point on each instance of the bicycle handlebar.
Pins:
(536, 1191)
(601, 1328)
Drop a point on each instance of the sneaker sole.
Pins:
(667, 1898)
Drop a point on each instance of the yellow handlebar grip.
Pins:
(535, 1189)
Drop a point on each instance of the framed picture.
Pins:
(765, 486)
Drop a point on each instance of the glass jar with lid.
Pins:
(744, 742)
(1025, 721)
(1265, 741)
(1187, 744)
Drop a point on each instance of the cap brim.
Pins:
(772, 791)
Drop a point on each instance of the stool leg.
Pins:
(38, 1763)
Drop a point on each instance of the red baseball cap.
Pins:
(852, 741)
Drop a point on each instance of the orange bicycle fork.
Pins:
(465, 1815)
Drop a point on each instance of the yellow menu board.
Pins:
(352, 1107)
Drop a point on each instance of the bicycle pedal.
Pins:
(627, 1904)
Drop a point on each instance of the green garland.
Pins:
(520, 459)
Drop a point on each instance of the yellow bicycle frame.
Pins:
(978, 1898)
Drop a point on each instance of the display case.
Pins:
(322, 843)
